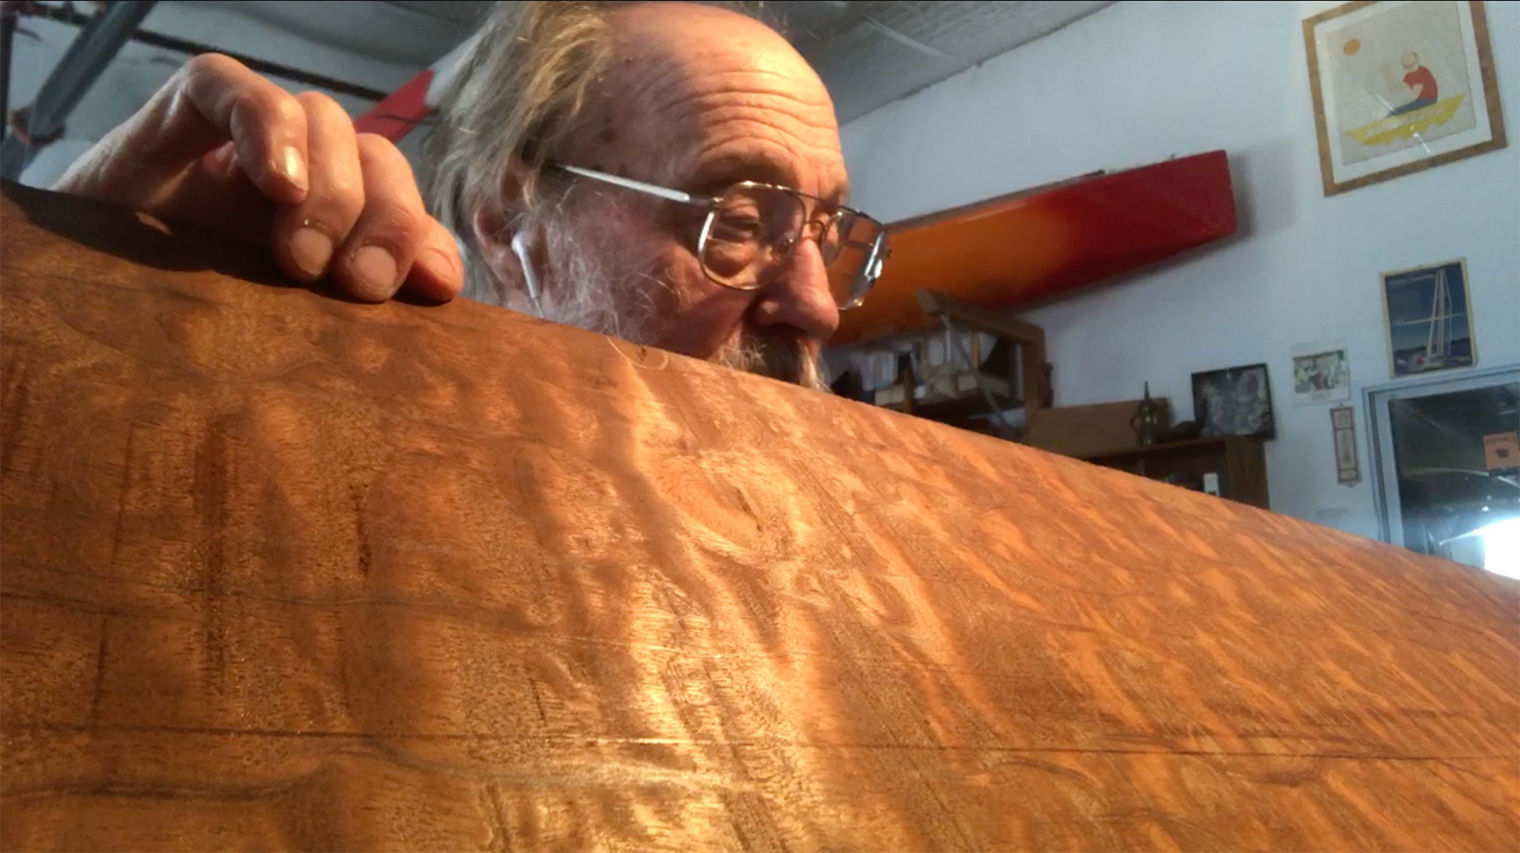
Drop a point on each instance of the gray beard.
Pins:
(604, 298)
(778, 357)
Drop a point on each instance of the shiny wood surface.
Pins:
(281, 571)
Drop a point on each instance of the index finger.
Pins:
(217, 99)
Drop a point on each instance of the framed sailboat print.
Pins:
(1428, 317)
(1400, 86)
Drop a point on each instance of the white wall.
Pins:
(139, 70)
(1142, 81)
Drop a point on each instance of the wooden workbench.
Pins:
(282, 571)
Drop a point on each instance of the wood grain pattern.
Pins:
(282, 571)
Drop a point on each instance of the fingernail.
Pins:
(445, 263)
(293, 167)
(311, 250)
(375, 272)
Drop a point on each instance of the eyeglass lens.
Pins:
(752, 226)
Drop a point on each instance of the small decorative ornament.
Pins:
(1147, 419)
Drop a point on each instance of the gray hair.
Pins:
(519, 92)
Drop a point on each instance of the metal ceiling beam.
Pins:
(191, 48)
(7, 40)
(89, 54)
(909, 41)
(468, 14)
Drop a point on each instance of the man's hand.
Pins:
(220, 146)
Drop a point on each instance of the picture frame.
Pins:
(1427, 318)
(1400, 86)
(1235, 401)
(1348, 469)
(1321, 373)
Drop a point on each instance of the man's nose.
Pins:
(798, 296)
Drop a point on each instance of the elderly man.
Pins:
(668, 173)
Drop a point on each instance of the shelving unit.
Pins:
(1238, 461)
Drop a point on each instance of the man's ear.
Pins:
(495, 244)
(493, 232)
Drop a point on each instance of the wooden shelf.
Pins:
(1239, 461)
(960, 411)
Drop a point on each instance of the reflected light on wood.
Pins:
(282, 571)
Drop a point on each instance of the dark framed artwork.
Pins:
(1399, 87)
(1234, 401)
(1427, 314)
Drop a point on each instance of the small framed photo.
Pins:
(1234, 401)
(1321, 373)
(1427, 316)
(1399, 87)
(1348, 469)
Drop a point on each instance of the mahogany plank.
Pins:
(282, 571)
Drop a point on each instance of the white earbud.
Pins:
(520, 249)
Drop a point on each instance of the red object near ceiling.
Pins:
(1036, 244)
(394, 117)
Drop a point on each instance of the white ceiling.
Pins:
(413, 33)
(868, 53)
(871, 53)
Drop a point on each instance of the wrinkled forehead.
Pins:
(699, 97)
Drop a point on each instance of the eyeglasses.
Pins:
(751, 227)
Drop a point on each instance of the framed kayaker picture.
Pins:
(1400, 86)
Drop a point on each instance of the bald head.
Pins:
(686, 96)
(689, 84)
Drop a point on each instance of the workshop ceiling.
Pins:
(413, 33)
(869, 53)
